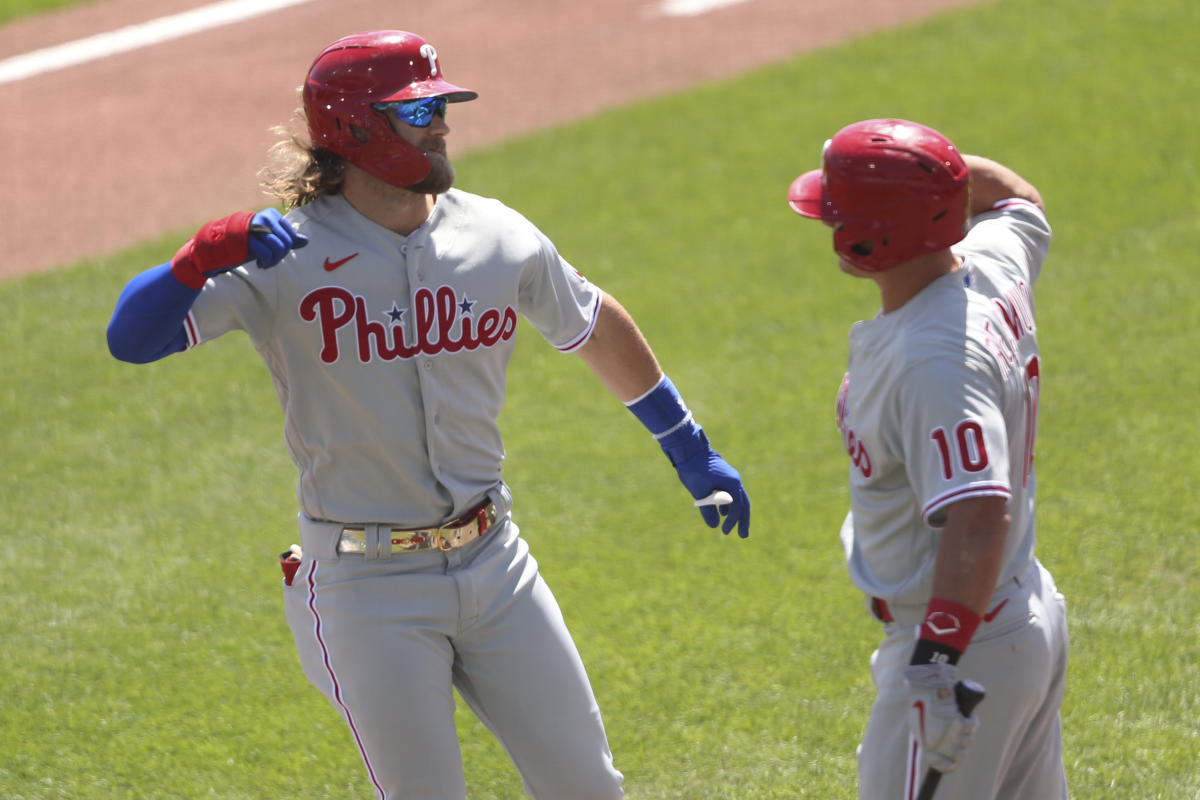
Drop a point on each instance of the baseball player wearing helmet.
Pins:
(384, 306)
(938, 414)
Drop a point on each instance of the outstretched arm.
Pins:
(619, 356)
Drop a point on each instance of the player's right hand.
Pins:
(271, 237)
(933, 715)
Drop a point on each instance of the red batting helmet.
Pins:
(891, 190)
(353, 74)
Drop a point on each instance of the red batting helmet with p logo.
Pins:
(355, 73)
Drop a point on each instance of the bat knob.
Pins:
(967, 694)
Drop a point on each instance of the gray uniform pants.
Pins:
(386, 639)
(1020, 657)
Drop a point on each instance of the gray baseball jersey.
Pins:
(389, 353)
(940, 404)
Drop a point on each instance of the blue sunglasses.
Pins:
(418, 113)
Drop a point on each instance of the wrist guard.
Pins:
(945, 633)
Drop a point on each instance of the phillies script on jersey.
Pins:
(436, 313)
(855, 447)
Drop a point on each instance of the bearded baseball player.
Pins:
(384, 306)
(938, 414)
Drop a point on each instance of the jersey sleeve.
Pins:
(241, 299)
(1014, 234)
(556, 299)
(954, 435)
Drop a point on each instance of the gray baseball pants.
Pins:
(1020, 657)
(386, 640)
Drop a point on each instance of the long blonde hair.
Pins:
(297, 172)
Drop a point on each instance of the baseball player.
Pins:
(938, 414)
(384, 306)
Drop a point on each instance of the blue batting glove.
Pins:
(271, 237)
(700, 468)
(702, 471)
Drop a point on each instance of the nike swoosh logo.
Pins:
(330, 266)
(991, 615)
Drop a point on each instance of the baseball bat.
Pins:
(967, 695)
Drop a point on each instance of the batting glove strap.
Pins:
(934, 719)
(218, 246)
(661, 409)
(688, 443)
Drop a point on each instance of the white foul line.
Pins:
(134, 36)
(689, 8)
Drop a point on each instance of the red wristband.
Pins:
(219, 244)
(949, 624)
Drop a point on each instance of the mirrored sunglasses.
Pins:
(418, 113)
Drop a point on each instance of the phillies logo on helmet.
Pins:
(430, 52)
(441, 324)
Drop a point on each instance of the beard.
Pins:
(440, 177)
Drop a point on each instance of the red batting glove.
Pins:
(218, 246)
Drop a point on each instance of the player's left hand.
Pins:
(933, 715)
(271, 237)
(702, 471)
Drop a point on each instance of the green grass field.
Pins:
(16, 9)
(145, 654)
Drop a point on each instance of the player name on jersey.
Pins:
(437, 313)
